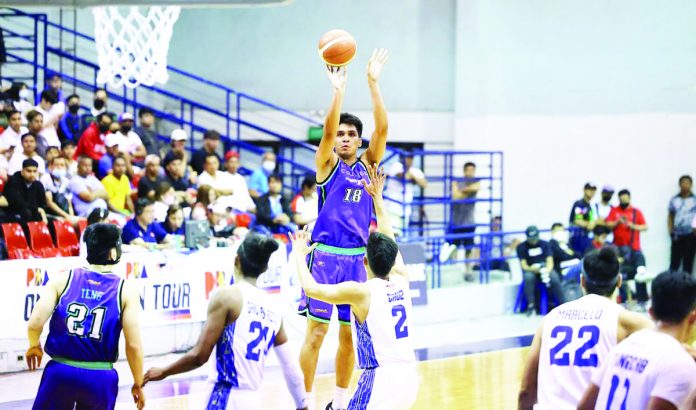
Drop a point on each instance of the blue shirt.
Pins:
(106, 163)
(165, 228)
(259, 181)
(132, 230)
(70, 127)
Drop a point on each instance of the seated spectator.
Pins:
(70, 125)
(174, 221)
(101, 99)
(51, 111)
(87, 191)
(174, 170)
(501, 246)
(536, 260)
(143, 230)
(600, 238)
(12, 136)
(146, 132)
(67, 149)
(211, 141)
(221, 181)
(305, 205)
(55, 84)
(151, 180)
(129, 141)
(106, 162)
(91, 143)
(564, 256)
(177, 143)
(28, 152)
(206, 198)
(165, 197)
(55, 183)
(51, 153)
(241, 200)
(21, 95)
(258, 184)
(273, 209)
(26, 198)
(118, 188)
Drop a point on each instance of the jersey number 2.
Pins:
(353, 195)
(579, 359)
(77, 313)
(252, 352)
(401, 329)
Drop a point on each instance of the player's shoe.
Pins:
(446, 251)
(329, 406)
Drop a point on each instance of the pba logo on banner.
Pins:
(135, 270)
(213, 280)
(36, 277)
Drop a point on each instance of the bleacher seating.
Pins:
(41, 242)
(16, 242)
(66, 237)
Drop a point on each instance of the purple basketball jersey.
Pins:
(86, 324)
(345, 208)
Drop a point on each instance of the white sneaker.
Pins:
(643, 276)
(447, 251)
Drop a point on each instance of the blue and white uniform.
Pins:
(385, 349)
(242, 350)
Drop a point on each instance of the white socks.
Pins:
(341, 399)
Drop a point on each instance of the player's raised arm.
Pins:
(224, 308)
(291, 369)
(134, 346)
(344, 293)
(41, 313)
(527, 397)
(325, 157)
(378, 142)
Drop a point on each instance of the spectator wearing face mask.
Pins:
(92, 141)
(70, 126)
(211, 142)
(99, 107)
(129, 142)
(564, 257)
(21, 96)
(165, 197)
(56, 183)
(258, 184)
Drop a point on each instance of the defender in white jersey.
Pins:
(381, 313)
(576, 337)
(651, 369)
(243, 325)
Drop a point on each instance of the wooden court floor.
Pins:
(485, 381)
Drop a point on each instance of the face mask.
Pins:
(24, 94)
(606, 198)
(125, 129)
(74, 108)
(59, 173)
(99, 104)
(623, 205)
(560, 236)
(103, 128)
(268, 165)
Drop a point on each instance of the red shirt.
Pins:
(91, 143)
(622, 233)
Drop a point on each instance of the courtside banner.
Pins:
(414, 258)
(174, 287)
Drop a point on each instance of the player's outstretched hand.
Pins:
(138, 396)
(34, 356)
(374, 67)
(338, 77)
(375, 186)
(300, 242)
(153, 375)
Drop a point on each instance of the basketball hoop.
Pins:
(132, 50)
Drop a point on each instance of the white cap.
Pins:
(179, 135)
(111, 140)
(126, 116)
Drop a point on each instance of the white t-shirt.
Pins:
(50, 133)
(11, 138)
(80, 184)
(577, 338)
(396, 190)
(307, 208)
(223, 180)
(54, 186)
(128, 143)
(18, 157)
(647, 364)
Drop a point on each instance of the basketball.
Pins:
(337, 47)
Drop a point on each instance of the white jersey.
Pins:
(384, 337)
(244, 345)
(576, 339)
(648, 363)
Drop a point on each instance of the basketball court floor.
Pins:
(468, 364)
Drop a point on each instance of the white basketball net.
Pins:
(132, 50)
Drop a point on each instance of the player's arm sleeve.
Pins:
(131, 330)
(528, 390)
(291, 369)
(44, 308)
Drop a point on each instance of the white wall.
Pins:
(548, 159)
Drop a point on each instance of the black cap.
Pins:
(590, 185)
(532, 232)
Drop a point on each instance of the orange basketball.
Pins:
(337, 47)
